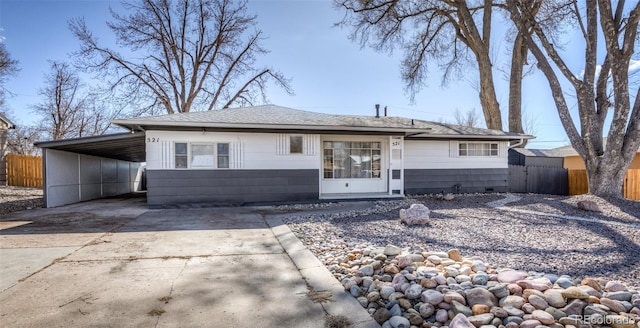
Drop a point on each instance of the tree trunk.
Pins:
(518, 59)
(488, 98)
(606, 179)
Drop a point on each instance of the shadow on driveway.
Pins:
(129, 266)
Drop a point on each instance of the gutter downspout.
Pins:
(517, 144)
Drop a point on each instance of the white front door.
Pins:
(354, 165)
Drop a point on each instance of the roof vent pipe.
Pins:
(385, 111)
(377, 110)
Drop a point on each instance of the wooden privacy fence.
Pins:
(538, 180)
(579, 184)
(24, 170)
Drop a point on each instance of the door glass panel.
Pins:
(360, 163)
(341, 164)
(328, 163)
(375, 163)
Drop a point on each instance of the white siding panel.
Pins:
(109, 177)
(91, 177)
(237, 155)
(434, 154)
(311, 144)
(248, 150)
(453, 148)
(71, 177)
(124, 184)
(282, 144)
(62, 178)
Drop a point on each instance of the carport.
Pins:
(81, 169)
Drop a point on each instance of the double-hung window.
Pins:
(201, 155)
(223, 155)
(477, 149)
(182, 155)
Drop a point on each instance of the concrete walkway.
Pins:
(115, 263)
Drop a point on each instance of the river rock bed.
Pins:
(564, 252)
(429, 289)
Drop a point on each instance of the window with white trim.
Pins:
(223, 155)
(182, 155)
(477, 149)
(352, 160)
(201, 155)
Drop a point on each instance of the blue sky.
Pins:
(329, 73)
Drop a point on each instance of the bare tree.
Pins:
(8, 67)
(439, 31)
(601, 88)
(68, 110)
(469, 118)
(183, 55)
(22, 138)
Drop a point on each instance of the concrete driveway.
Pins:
(114, 263)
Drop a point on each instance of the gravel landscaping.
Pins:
(502, 238)
(13, 199)
(573, 268)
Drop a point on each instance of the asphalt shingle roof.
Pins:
(563, 151)
(538, 152)
(272, 115)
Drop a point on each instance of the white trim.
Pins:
(498, 152)
(453, 148)
(282, 144)
(190, 155)
(329, 187)
(311, 143)
(236, 155)
(189, 144)
(302, 144)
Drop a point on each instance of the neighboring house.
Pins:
(274, 154)
(535, 157)
(5, 125)
(573, 161)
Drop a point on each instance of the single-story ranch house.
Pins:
(275, 154)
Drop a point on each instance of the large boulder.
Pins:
(416, 214)
(587, 205)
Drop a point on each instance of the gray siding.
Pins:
(515, 158)
(538, 180)
(544, 161)
(176, 187)
(444, 180)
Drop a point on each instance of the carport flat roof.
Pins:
(123, 146)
